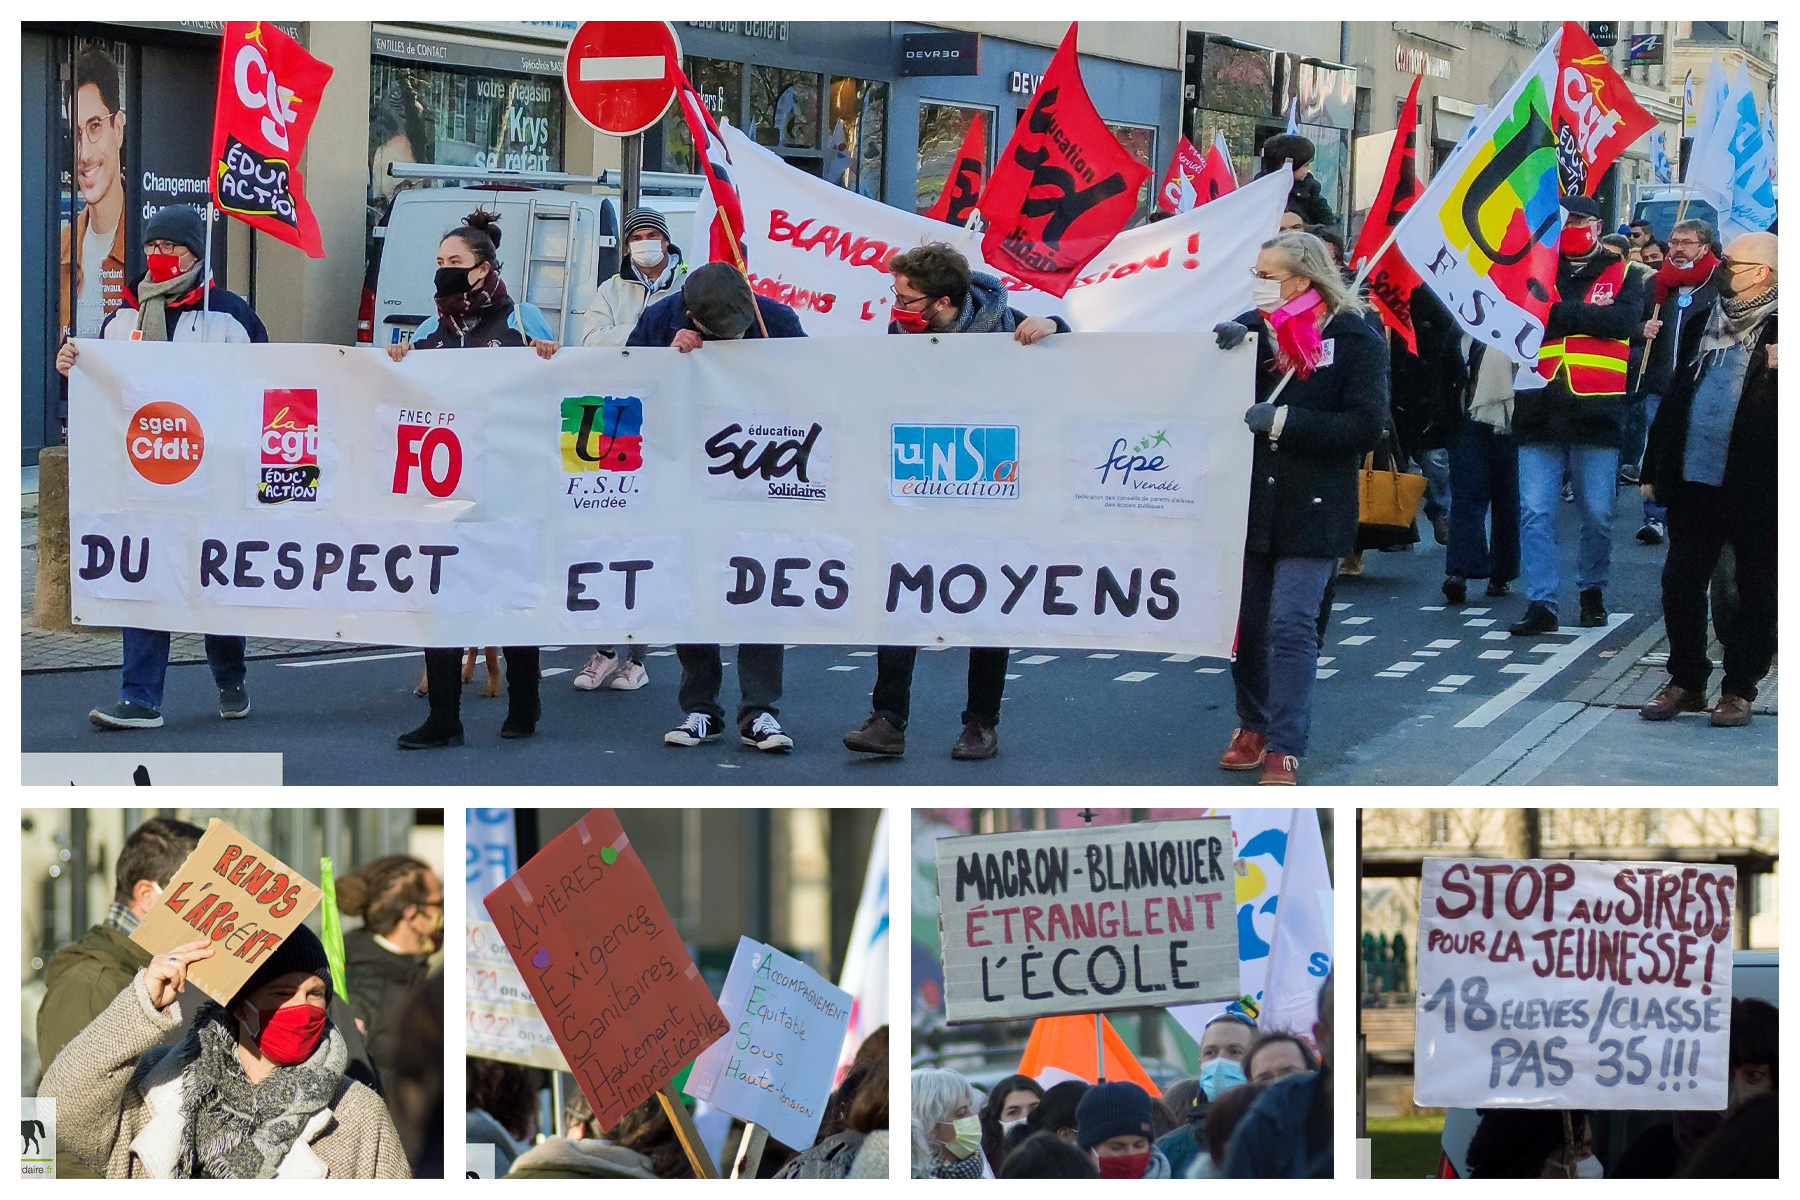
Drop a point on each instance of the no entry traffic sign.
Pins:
(617, 74)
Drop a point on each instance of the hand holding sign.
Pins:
(166, 976)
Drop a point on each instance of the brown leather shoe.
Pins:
(878, 735)
(1671, 700)
(1279, 769)
(977, 741)
(1245, 752)
(1730, 711)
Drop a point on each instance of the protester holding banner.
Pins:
(256, 1088)
(1574, 424)
(177, 300)
(1328, 369)
(943, 1116)
(474, 310)
(1711, 461)
(716, 304)
(401, 904)
(935, 291)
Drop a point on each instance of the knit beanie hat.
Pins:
(302, 951)
(719, 297)
(645, 218)
(180, 224)
(1110, 1110)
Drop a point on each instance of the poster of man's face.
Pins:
(94, 235)
(99, 142)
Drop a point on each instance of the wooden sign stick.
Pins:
(684, 1129)
(750, 1152)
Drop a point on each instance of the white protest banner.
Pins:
(1084, 920)
(824, 249)
(1086, 492)
(1550, 984)
(775, 1067)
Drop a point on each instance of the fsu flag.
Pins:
(1063, 189)
(1595, 115)
(1392, 280)
(727, 233)
(269, 90)
(1180, 190)
(963, 188)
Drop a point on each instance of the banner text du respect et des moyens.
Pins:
(1086, 920)
(1553, 984)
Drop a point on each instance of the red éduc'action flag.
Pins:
(1392, 279)
(1180, 189)
(962, 190)
(1218, 176)
(1064, 187)
(727, 232)
(269, 90)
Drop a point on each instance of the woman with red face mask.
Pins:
(255, 1091)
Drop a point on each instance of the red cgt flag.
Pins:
(1218, 176)
(963, 188)
(269, 91)
(1180, 189)
(1063, 189)
(1392, 279)
(1594, 114)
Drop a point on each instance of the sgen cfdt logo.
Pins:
(164, 442)
(431, 447)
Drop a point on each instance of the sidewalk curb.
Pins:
(1610, 672)
(266, 656)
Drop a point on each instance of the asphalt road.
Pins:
(1410, 691)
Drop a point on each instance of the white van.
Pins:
(556, 246)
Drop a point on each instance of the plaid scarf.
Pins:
(237, 1129)
(462, 310)
(1735, 322)
(120, 918)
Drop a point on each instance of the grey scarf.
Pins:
(240, 1130)
(153, 302)
(984, 309)
(1735, 322)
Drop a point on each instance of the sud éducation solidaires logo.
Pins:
(290, 446)
(969, 462)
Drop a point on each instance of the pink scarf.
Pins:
(1298, 345)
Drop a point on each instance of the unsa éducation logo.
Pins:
(979, 462)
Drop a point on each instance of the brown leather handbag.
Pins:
(1388, 498)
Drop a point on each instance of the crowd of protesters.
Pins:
(153, 1080)
(1659, 361)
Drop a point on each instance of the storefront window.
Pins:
(784, 108)
(721, 88)
(855, 146)
(1240, 138)
(1140, 142)
(942, 128)
(1238, 79)
(458, 118)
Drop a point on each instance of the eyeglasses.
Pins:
(1734, 264)
(1271, 278)
(90, 130)
(1684, 241)
(908, 302)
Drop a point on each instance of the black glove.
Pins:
(1260, 417)
(1230, 334)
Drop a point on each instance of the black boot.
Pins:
(1538, 618)
(443, 687)
(1593, 608)
(1456, 589)
(522, 705)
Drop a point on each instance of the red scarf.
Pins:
(1694, 274)
(1298, 346)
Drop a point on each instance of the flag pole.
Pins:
(968, 229)
(1099, 1050)
(206, 278)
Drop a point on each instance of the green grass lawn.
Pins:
(1404, 1147)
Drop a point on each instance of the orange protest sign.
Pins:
(601, 956)
(231, 890)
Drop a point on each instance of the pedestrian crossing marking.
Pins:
(1015, 677)
(1181, 658)
(1431, 608)
(1426, 653)
(1455, 680)
(1356, 620)
(1036, 660)
(1498, 635)
(1518, 668)
(1103, 656)
(1476, 612)
(547, 672)
(1340, 607)
(1479, 622)
(1325, 672)
(1406, 665)
(1496, 654)
(1134, 677)
(661, 654)
(1439, 688)
(1390, 674)
(1326, 658)
(862, 654)
(1445, 643)
(1358, 640)
(1209, 670)
(841, 668)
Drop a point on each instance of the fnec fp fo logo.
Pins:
(977, 462)
(290, 446)
(602, 433)
(164, 442)
(426, 442)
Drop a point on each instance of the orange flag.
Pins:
(1067, 1044)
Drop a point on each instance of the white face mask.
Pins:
(647, 254)
(1585, 1168)
(1266, 294)
(1006, 1127)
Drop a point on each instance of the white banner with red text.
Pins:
(1083, 492)
(823, 250)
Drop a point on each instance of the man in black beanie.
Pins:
(176, 300)
(1113, 1123)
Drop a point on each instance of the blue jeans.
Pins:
(1278, 647)
(1595, 472)
(1484, 486)
(147, 664)
(1435, 466)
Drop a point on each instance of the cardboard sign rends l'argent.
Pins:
(242, 897)
(601, 956)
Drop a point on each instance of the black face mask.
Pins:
(1722, 280)
(452, 281)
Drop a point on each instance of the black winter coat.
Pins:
(1427, 388)
(669, 316)
(1554, 414)
(1659, 374)
(1750, 460)
(1307, 199)
(1303, 490)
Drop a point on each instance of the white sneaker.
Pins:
(598, 668)
(765, 734)
(629, 677)
(696, 729)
